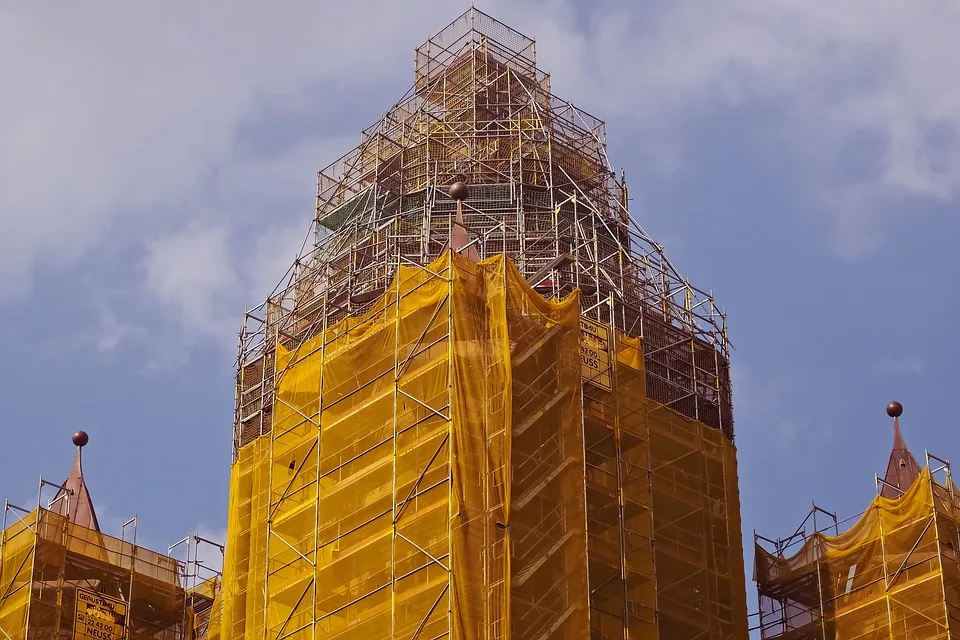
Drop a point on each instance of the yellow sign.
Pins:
(99, 617)
(595, 352)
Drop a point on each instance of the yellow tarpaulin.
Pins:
(62, 580)
(892, 575)
(434, 467)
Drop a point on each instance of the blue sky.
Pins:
(157, 173)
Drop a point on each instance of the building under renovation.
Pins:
(482, 403)
(62, 578)
(891, 572)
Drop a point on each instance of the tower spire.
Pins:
(73, 500)
(459, 238)
(903, 468)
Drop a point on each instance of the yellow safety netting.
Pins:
(52, 571)
(214, 625)
(665, 553)
(701, 587)
(892, 575)
(434, 466)
(419, 473)
(620, 524)
(16, 572)
(244, 557)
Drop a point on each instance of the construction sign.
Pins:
(595, 353)
(99, 617)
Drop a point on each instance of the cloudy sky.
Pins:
(157, 173)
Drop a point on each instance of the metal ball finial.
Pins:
(459, 191)
(894, 409)
(80, 438)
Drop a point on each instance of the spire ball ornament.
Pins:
(894, 409)
(80, 438)
(459, 191)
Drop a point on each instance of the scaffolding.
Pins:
(62, 580)
(541, 192)
(59, 579)
(891, 572)
(201, 585)
(536, 444)
(665, 552)
(419, 475)
(438, 468)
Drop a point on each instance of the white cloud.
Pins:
(909, 364)
(188, 273)
(763, 412)
(108, 335)
(113, 332)
(127, 109)
(757, 392)
(275, 252)
(837, 74)
(787, 431)
(130, 123)
(203, 275)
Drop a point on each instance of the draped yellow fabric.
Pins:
(16, 572)
(394, 482)
(244, 559)
(434, 467)
(216, 616)
(892, 575)
(49, 565)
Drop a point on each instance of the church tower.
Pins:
(483, 403)
(62, 578)
(893, 573)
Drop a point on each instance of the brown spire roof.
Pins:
(903, 468)
(78, 506)
(459, 238)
